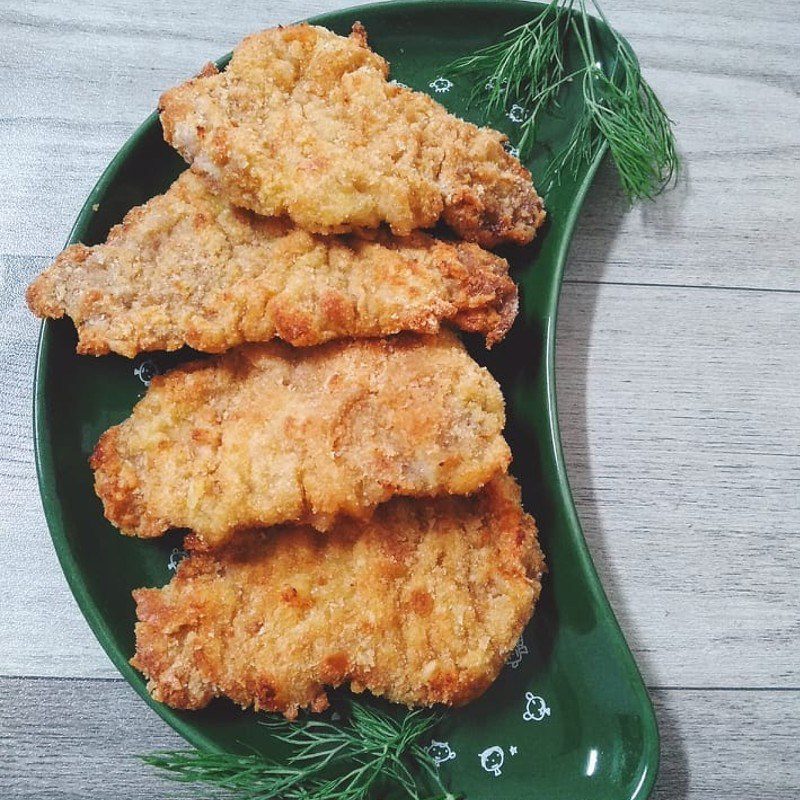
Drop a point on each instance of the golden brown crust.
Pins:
(420, 605)
(268, 434)
(305, 123)
(189, 269)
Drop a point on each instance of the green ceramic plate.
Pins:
(569, 716)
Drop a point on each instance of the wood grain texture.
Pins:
(82, 736)
(79, 739)
(679, 421)
(679, 418)
(84, 75)
(678, 383)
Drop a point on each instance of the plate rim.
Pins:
(43, 449)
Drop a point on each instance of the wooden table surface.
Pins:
(678, 384)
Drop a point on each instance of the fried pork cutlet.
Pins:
(420, 605)
(268, 434)
(188, 268)
(304, 122)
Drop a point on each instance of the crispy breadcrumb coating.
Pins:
(187, 268)
(420, 605)
(304, 122)
(268, 434)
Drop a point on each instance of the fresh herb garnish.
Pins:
(367, 753)
(528, 68)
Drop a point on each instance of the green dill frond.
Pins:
(629, 117)
(619, 107)
(583, 145)
(354, 759)
(529, 57)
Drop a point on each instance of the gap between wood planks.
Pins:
(653, 688)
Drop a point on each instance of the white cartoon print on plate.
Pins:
(515, 658)
(175, 558)
(146, 370)
(400, 84)
(517, 113)
(512, 151)
(492, 759)
(440, 752)
(490, 84)
(441, 85)
(536, 708)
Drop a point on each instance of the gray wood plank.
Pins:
(679, 414)
(82, 737)
(678, 400)
(41, 628)
(96, 71)
(728, 744)
(71, 740)
(724, 72)
(680, 420)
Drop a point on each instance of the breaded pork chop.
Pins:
(420, 605)
(268, 434)
(187, 268)
(304, 122)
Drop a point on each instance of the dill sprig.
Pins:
(528, 68)
(367, 753)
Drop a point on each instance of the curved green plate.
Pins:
(569, 716)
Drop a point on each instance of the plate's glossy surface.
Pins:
(569, 716)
